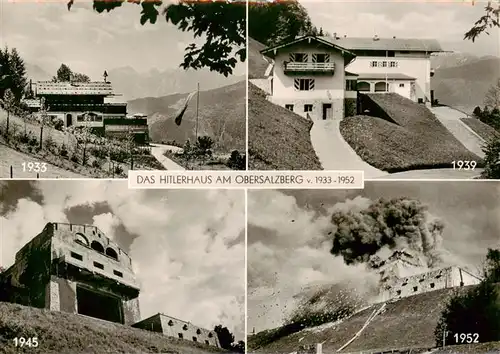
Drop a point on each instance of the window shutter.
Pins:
(327, 58)
(306, 57)
(311, 84)
(292, 57)
(296, 84)
(314, 58)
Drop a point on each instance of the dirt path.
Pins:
(158, 151)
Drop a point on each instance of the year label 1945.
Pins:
(31, 342)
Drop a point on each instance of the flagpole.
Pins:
(197, 109)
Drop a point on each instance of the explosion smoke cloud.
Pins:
(398, 223)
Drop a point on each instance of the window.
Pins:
(170, 323)
(81, 239)
(118, 274)
(415, 288)
(206, 342)
(373, 64)
(289, 107)
(76, 256)
(420, 100)
(98, 265)
(404, 284)
(308, 108)
(185, 327)
(384, 64)
(198, 331)
(210, 335)
(181, 336)
(404, 52)
(97, 246)
(461, 283)
(391, 53)
(298, 57)
(381, 87)
(421, 280)
(321, 58)
(363, 86)
(111, 253)
(432, 285)
(195, 339)
(351, 85)
(304, 84)
(401, 85)
(393, 64)
(398, 292)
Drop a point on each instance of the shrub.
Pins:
(75, 158)
(477, 111)
(96, 164)
(24, 138)
(63, 151)
(237, 161)
(118, 169)
(350, 107)
(59, 125)
(492, 159)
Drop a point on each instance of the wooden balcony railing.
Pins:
(309, 67)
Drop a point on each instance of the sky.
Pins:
(47, 34)
(444, 20)
(190, 262)
(288, 251)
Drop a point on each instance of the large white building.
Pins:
(319, 77)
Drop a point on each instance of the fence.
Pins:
(12, 172)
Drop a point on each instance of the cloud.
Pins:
(189, 261)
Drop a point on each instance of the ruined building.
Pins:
(174, 327)
(404, 274)
(75, 269)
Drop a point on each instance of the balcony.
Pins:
(293, 68)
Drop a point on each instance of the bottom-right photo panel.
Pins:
(399, 267)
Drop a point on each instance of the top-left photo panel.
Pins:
(96, 89)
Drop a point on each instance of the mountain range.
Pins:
(132, 84)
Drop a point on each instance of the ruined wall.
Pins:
(173, 327)
(131, 312)
(429, 281)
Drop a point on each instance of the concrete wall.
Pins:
(430, 281)
(327, 88)
(173, 327)
(414, 65)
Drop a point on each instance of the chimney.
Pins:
(335, 35)
(375, 38)
(394, 37)
(345, 35)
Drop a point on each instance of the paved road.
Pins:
(335, 153)
(158, 151)
(450, 118)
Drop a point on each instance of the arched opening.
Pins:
(381, 87)
(81, 239)
(210, 335)
(198, 331)
(97, 246)
(363, 86)
(185, 327)
(111, 253)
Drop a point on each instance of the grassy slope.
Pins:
(483, 130)
(225, 105)
(278, 139)
(63, 333)
(417, 140)
(409, 322)
(257, 65)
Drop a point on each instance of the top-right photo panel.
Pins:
(398, 89)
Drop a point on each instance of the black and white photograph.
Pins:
(95, 267)
(93, 89)
(400, 267)
(398, 89)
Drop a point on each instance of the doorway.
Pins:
(327, 110)
(99, 305)
(69, 120)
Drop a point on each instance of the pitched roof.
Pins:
(403, 44)
(382, 76)
(269, 51)
(75, 88)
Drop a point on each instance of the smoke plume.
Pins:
(360, 234)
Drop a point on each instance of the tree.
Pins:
(77, 77)
(63, 74)
(8, 103)
(492, 99)
(223, 23)
(475, 311)
(489, 20)
(226, 338)
(270, 23)
(477, 112)
(12, 73)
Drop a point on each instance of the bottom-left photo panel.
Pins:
(95, 267)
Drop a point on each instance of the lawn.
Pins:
(400, 135)
(278, 139)
(483, 130)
